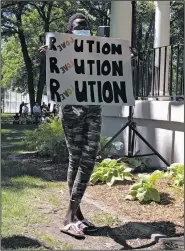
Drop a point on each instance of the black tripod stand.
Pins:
(131, 123)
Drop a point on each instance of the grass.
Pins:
(53, 242)
(7, 115)
(28, 197)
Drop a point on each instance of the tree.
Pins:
(177, 22)
(24, 22)
(12, 25)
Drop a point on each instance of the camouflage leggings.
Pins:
(82, 128)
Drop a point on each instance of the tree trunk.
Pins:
(139, 38)
(29, 68)
(151, 25)
(42, 75)
(27, 58)
(42, 79)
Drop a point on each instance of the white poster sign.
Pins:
(83, 70)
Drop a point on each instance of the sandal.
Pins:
(74, 229)
(90, 227)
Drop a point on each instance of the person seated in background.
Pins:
(45, 110)
(25, 111)
(20, 108)
(43, 105)
(55, 110)
(36, 113)
(16, 119)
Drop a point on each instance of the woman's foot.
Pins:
(87, 226)
(75, 229)
(90, 227)
(71, 226)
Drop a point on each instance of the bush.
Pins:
(48, 140)
(112, 147)
(138, 164)
(109, 171)
(176, 172)
(145, 189)
(103, 141)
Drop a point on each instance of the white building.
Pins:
(12, 100)
(161, 123)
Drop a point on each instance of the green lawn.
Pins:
(25, 189)
(4, 115)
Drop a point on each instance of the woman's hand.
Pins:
(133, 52)
(43, 48)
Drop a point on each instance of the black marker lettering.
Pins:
(99, 91)
(62, 95)
(119, 92)
(81, 96)
(98, 67)
(91, 62)
(78, 48)
(54, 87)
(63, 70)
(98, 47)
(92, 83)
(59, 47)
(117, 70)
(106, 68)
(53, 65)
(90, 42)
(106, 49)
(79, 69)
(63, 45)
(107, 88)
(117, 49)
(52, 41)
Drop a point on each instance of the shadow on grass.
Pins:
(19, 242)
(16, 186)
(43, 169)
(137, 230)
(18, 165)
(13, 147)
(17, 127)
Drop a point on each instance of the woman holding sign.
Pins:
(82, 127)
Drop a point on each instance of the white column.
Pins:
(121, 20)
(162, 38)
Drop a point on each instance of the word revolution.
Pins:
(93, 46)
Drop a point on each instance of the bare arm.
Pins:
(43, 48)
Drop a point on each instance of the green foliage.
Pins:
(145, 189)
(103, 141)
(12, 61)
(48, 139)
(145, 16)
(41, 16)
(136, 163)
(109, 171)
(176, 172)
(177, 22)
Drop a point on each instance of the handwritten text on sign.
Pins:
(83, 70)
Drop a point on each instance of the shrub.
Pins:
(145, 189)
(113, 146)
(176, 172)
(103, 141)
(109, 171)
(136, 163)
(48, 140)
